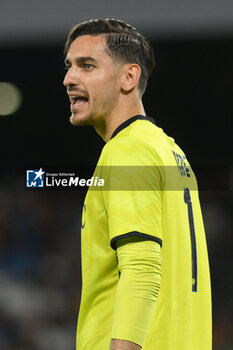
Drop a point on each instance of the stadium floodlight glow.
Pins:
(10, 98)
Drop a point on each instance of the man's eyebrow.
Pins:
(80, 60)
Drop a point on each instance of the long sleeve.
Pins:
(140, 275)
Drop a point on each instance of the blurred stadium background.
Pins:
(190, 97)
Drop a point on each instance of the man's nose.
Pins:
(71, 77)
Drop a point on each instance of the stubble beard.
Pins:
(94, 119)
(76, 121)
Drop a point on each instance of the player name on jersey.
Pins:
(181, 164)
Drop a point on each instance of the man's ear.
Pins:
(132, 75)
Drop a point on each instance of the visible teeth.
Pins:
(78, 99)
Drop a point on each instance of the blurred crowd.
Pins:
(40, 277)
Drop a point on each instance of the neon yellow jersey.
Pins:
(150, 190)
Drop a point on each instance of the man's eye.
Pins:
(67, 67)
(87, 66)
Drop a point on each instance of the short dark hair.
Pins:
(124, 44)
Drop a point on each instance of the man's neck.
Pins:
(118, 117)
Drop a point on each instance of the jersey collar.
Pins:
(130, 121)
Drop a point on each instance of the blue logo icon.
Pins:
(35, 178)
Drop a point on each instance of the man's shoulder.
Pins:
(140, 131)
(141, 135)
(128, 149)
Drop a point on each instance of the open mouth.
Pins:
(78, 101)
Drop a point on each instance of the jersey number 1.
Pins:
(187, 200)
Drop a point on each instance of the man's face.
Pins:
(93, 80)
